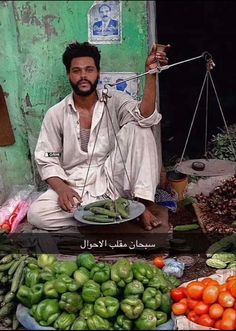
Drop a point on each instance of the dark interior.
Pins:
(192, 27)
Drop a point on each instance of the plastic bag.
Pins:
(18, 194)
(174, 268)
(23, 316)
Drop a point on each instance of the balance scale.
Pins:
(204, 166)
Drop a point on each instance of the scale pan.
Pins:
(210, 167)
(136, 208)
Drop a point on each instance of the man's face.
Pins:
(104, 12)
(83, 75)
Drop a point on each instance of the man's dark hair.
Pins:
(104, 5)
(77, 49)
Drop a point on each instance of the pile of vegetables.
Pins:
(222, 253)
(85, 294)
(11, 277)
(105, 211)
(221, 200)
(207, 302)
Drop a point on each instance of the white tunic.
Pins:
(58, 152)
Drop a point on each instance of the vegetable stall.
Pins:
(85, 292)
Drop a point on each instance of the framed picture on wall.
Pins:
(104, 22)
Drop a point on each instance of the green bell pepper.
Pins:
(96, 322)
(161, 317)
(123, 323)
(152, 298)
(32, 277)
(106, 307)
(65, 267)
(86, 311)
(142, 271)
(79, 324)
(159, 283)
(132, 307)
(134, 288)
(121, 272)
(109, 288)
(45, 260)
(81, 276)
(86, 260)
(166, 303)
(174, 281)
(64, 321)
(29, 296)
(53, 288)
(46, 276)
(71, 302)
(100, 272)
(71, 284)
(91, 291)
(147, 320)
(46, 312)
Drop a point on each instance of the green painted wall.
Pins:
(33, 36)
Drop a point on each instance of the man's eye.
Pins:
(90, 70)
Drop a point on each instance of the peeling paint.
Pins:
(27, 100)
(28, 15)
(49, 29)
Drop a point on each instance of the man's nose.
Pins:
(83, 73)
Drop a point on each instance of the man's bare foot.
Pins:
(148, 220)
(153, 216)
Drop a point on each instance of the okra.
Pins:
(94, 218)
(103, 211)
(6, 259)
(99, 203)
(186, 227)
(8, 298)
(15, 322)
(17, 277)
(120, 209)
(6, 266)
(6, 310)
(15, 265)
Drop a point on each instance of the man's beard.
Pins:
(77, 90)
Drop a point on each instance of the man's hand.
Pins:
(157, 56)
(67, 199)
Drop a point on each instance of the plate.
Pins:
(135, 209)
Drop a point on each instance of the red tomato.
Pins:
(159, 262)
(210, 294)
(191, 303)
(223, 288)
(192, 316)
(226, 324)
(226, 300)
(217, 324)
(201, 308)
(231, 287)
(195, 290)
(206, 281)
(229, 313)
(216, 311)
(179, 308)
(205, 320)
(230, 278)
(177, 294)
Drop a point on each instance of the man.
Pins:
(78, 149)
(107, 26)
